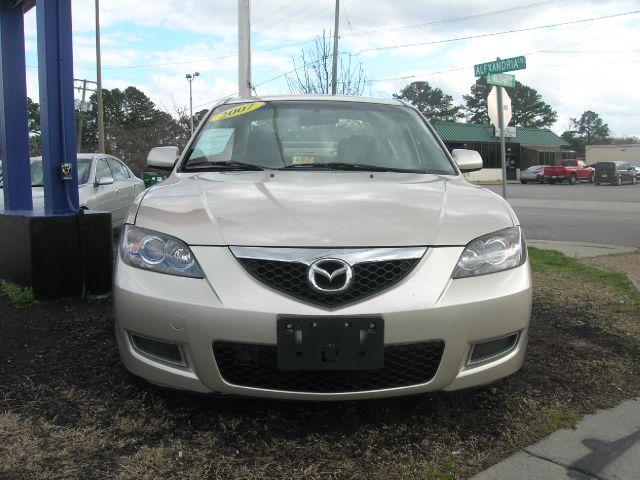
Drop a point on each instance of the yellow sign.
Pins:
(237, 111)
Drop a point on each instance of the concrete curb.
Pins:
(580, 249)
(603, 446)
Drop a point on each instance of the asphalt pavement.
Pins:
(588, 213)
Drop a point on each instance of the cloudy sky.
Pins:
(152, 44)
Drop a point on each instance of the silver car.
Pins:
(105, 183)
(534, 173)
(320, 248)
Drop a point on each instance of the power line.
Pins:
(346, 15)
(456, 69)
(453, 20)
(505, 32)
(290, 15)
(275, 11)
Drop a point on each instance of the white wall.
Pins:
(610, 153)
(487, 175)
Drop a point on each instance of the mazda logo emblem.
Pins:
(330, 275)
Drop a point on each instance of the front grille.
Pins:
(256, 366)
(291, 278)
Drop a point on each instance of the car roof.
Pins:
(321, 98)
(81, 156)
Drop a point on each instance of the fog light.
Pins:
(492, 349)
(161, 351)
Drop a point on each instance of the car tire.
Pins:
(572, 180)
(552, 182)
(523, 181)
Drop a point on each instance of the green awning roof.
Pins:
(468, 133)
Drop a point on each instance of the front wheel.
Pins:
(523, 181)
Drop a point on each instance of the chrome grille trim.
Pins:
(307, 256)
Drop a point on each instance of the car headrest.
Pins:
(263, 149)
(356, 148)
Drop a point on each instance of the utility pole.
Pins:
(101, 146)
(334, 72)
(83, 108)
(503, 154)
(244, 48)
(190, 78)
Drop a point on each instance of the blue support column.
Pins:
(55, 73)
(14, 133)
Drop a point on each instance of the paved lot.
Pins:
(578, 213)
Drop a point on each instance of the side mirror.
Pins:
(163, 158)
(467, 160)
(104, 181)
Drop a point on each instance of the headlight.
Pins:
(491, 253)
(158, 252)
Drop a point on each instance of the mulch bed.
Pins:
(68, 409)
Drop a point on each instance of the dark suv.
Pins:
(615, 173)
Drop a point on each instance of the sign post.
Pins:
(494, 73)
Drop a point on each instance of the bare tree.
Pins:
(312, 72)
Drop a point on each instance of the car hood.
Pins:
(316, 209)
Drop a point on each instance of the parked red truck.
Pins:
(570, 171)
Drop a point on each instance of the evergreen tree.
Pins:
(431, 101)
(529, 110)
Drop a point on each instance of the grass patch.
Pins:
(545, 260)
(18, 295)
(556, 419)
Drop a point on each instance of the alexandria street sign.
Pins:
(499, 66)
(501, 79)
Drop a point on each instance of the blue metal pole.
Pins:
(14, 133)
(55, 74)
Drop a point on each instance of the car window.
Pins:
(84, 169)
(282, 134)
(102, 169)
(119, 170)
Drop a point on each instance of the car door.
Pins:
(125, 187)
(629, 173)
(106, 197)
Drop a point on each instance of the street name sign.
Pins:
(501, 79)
(500, 66)
(492, 107)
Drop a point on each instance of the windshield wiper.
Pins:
(221, 166)
(351, 167)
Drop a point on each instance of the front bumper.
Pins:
(230, 305)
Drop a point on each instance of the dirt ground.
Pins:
(628, 263)
(68, 409)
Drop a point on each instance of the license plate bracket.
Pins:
(330, 343)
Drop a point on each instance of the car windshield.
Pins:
(37, 174)
(316, 135)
